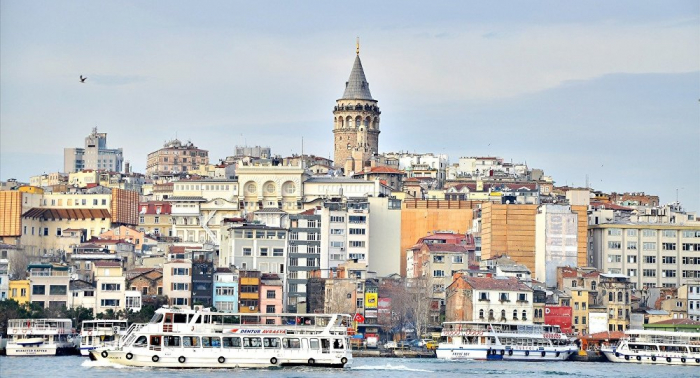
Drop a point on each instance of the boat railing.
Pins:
(667, 340)
(131, 334)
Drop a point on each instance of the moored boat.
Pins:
(656, 347)
(501, 341)
(100, 333)
(185, 338)
(40, 337)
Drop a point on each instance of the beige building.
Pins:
(177, 282)
(175, 158)
(263, 184)
(49, 285)
(355, 122)
(95, 155)
(111, 285)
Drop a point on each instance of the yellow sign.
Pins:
(371, 300)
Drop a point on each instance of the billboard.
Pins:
(597, 322)
(558, 315)
(371, 300)
(385, 306)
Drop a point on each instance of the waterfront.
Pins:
(27, 367)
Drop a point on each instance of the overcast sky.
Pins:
(602, 89)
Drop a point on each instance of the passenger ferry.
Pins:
(656, 347)
(501, 341)
(100, 333)
(186, 338)
(40, 337)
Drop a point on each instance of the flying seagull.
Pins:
(82, 79)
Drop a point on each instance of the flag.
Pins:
(359, 318)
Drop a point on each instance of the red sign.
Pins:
(359, 318)
(558, 315)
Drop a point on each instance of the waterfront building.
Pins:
(492, 299)
(19, 290)
(249, 291)
(147, 281)
(255, 247)
(49, 285)
(691, 291)
(82, 294)
(95, 155)
(111, 286)
(355, 122)
(177, 282)
(304, 250)
(384, 236)
(271, 297)
(345, 234)
(175, 158)
(650, 254)
(202, 276)
(225, 290)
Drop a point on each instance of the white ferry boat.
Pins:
(40, 337)
(501, 341)
(656, 347)
(100, 333)
(185, 338)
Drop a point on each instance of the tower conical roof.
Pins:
(357, 87)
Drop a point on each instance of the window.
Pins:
(632, 272)
(668, 273)
(438, 259)
(336, 219)
(271, 294)
(649, 233)
(337, 244)
(179, 301)
(632, 259)
(503, 297)
(649, 246)
(438, 273)
(38, 290)
(109, 303)
(357, 243)
(357, 231)
(631, 232)
(668, 246)
(247, 252)
(481, 313)
(614, 245)
(649, 272)
(515, 314)
(277, 252)
(270, 309)
(180, 286)
(263, 252)
(58, 290)
(457, 259)
(111, 287)
(614, 258)
(632, 245)
(650, 259)
(522, 297)
(668, 259)
(181, 271)
(614, 232)
(524, 315)
(337, 231)
(357, 219)
(669, 233)
(225, 291)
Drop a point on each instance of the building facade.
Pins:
(492, 299)
(95, 155)
(175, 158)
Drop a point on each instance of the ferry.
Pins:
(656, 347)
(200, 338)
(500, 341)
(40, 337)
(100, 333)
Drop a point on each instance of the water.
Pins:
(66, 367)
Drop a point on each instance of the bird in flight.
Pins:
(82, 79)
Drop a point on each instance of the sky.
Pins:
(589, 91)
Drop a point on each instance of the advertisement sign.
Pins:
(371, 300)
(558, 315)
(597, 322)
(385, 306)
(370, 313)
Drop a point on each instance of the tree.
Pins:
(339, 297)
(18, 263)
(11, 309)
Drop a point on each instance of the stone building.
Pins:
(356, 122)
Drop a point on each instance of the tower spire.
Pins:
(357, 45)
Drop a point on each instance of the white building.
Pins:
(492, 299)
(110, 286)
(344, 235)
(177, 282)
(94, 156)
(556, 241)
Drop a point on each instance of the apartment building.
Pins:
(95, 155)
(177, 282)
(345, 233)
(268, 184)
(256, 247)
(305, 248)
(110, 286)
(651, 255)
(225, 296)
(499, 299)
(175, 158)
(271, 297)
(49, 284)
(155, 218)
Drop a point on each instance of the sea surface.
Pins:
(74, 366)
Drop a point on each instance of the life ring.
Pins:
(527, 353)
(627, 358)
(653, 358)
(129, 356)
(683, 359)
(544, 353)
(510, 352)
(697, 360)
(311, 361)
(617, 354)
(273, 360)
(155, 358)
(668, 359)
(104, 354)
(181, 359)
(222, 360)
(344, 360)
(503, 351)
(639, 358)
(557, 354)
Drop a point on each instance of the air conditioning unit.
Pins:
(251, 308)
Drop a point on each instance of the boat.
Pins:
(200, 338)
(464, 340)
(40, 337)
(655, 347)
(100, 333)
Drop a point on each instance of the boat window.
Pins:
(271, 342)
(211, 342)
(313, 343)
(141, 341)
(337, 344)
(251, 342)
(325, 345)
(171, 341)
(180, 318)
(291, 343)
(232, 342)
(155, 340)
(190, 341)
(157, 318)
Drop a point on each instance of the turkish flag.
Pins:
(359, 318)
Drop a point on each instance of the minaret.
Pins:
(355, 122)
